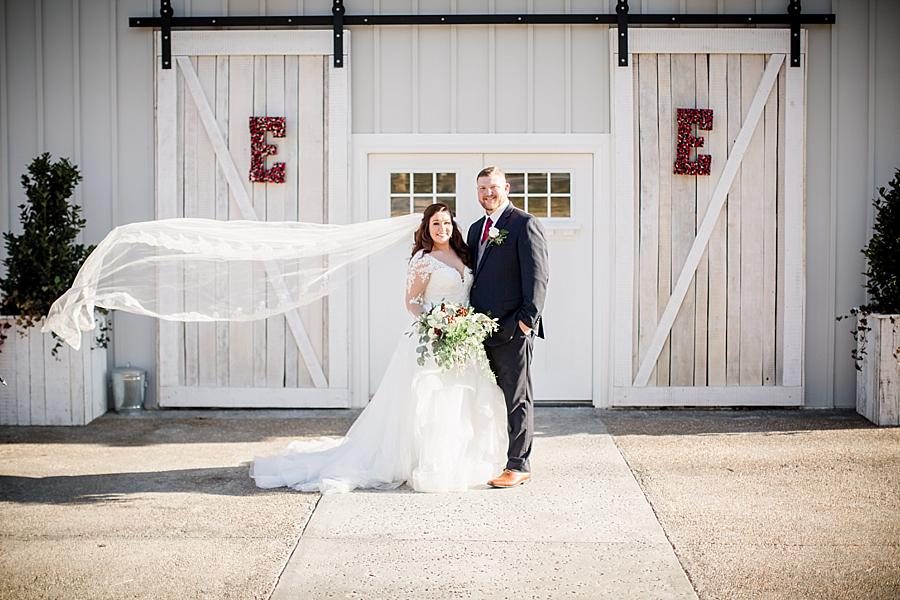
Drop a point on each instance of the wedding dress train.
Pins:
(436, 430)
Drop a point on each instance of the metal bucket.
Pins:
(128, 388)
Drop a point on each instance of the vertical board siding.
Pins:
(275, 209)
(395, 98)
(58, 80)
(291, 156)
(591, 79)
(68, 388)
(472, 71)
(635, 220)
(9, 410)
(718, 249)
(312, 200)
(223, 333)
(206, 209)
(511, 94)
(258, 196)
(528, 79)
(701, 276)
(730, 312)
(115, 138)
(751, 232)
(684, 227)
(191, 160)
(5, 216)
(20, 55)
(94, 123)
(550, 88)
(289, 86)
(779, 233)
(769, 127)
(666, 159)
(649, 217)
(433, 71)
(888, 375)
(37, 382)
(733, 228)
(240, 104)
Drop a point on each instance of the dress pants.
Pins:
(511, 363)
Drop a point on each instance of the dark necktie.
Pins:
(487, 228)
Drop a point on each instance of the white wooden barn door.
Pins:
(204, 104)
(709, 295)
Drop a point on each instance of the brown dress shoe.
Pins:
(508, 479)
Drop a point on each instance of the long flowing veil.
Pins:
(186, 269)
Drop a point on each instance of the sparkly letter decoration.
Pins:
(259, 149)
(687, 117)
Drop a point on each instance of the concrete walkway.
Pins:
(631, 504)
(581, 529)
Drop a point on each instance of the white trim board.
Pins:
(236, 397)
(708, 396)
(712, 41)
(466, 143)
(250, 43)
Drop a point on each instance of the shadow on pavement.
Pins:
(114, 488)
(161, 427)
(727, 421)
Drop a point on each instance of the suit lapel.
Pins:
(488, 246)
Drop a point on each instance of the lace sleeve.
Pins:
(417, 275)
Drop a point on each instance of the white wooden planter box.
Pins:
(878, 383)
(42, 389)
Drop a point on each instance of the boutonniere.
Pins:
(497, 236)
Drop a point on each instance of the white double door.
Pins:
(562, 366)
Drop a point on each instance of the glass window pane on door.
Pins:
(560, 206)
(423, 183)
(446, 183)
(414, 192)
(399, 206)
(537, 183)
(516, 183)
(560, 183)
(399, 183)
(543, 194)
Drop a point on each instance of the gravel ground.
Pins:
(771, 504)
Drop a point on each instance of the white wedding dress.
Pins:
(436, 430)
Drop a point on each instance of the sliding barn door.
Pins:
(218, 81)
(710, 268)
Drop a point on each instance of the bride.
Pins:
(435, 430)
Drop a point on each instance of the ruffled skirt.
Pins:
(436, 430)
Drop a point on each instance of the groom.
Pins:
(511, 273)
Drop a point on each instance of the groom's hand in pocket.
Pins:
(525, 328)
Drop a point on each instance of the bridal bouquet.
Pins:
(452, 334)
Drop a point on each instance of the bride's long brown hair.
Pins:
(423, 239)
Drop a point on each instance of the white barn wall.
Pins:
(885, 53)
(77, 82)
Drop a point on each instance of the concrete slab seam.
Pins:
(652, 508)
(294, 549)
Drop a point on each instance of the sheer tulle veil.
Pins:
(177, 269)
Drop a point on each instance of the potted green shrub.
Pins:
(47, 383)
(877, 333)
